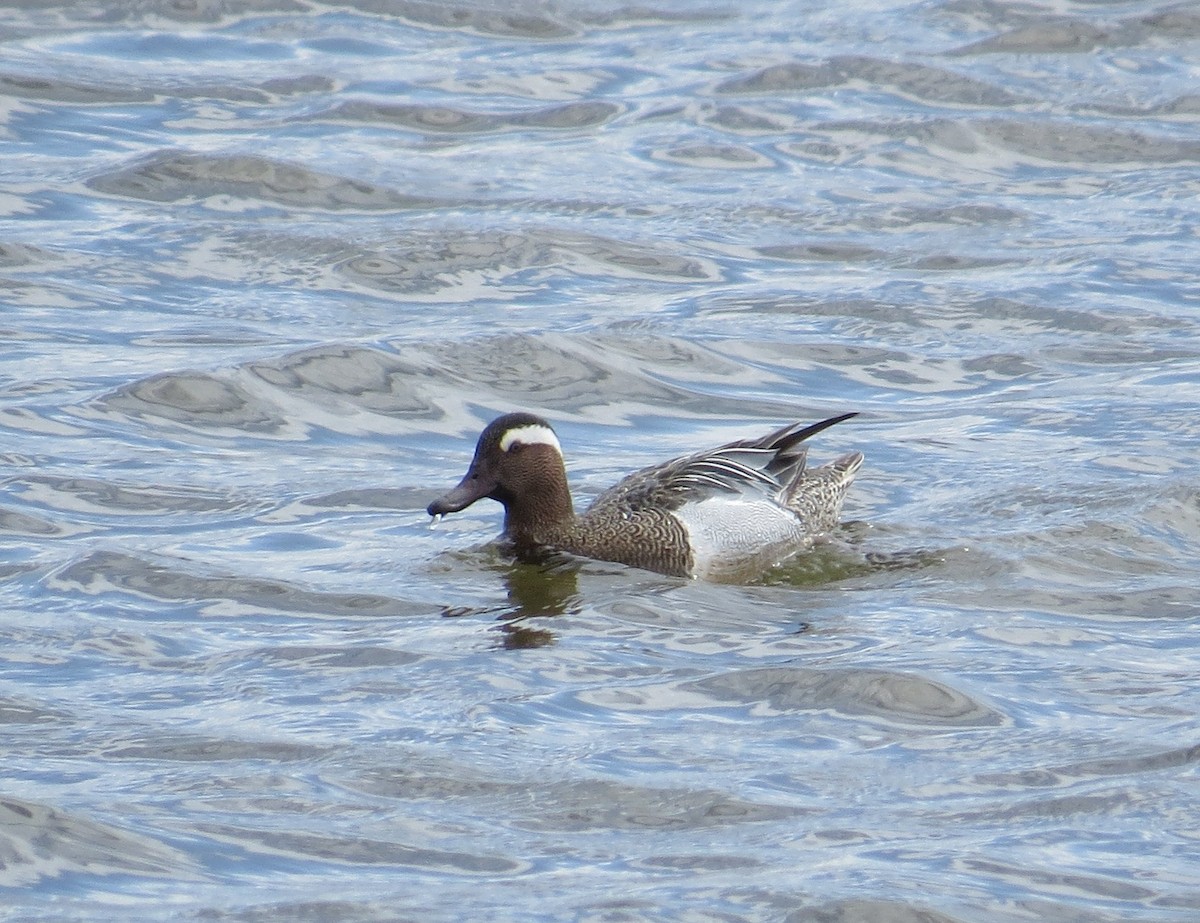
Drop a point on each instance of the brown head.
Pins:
(517, 462)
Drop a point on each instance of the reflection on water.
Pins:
(267, 268)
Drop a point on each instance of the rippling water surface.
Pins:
(268, 266)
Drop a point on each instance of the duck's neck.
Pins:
(536, 519)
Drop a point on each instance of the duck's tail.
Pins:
(816, 495)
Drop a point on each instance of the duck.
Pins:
(720, 514)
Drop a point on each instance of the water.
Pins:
(268, 267)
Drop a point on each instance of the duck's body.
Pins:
(719, 514)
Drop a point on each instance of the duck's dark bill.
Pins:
(469, 489)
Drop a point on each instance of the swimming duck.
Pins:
(720, 514)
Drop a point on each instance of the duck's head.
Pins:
(518, 462)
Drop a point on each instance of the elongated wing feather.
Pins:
(768, 466)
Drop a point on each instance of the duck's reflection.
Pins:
(519, 637)
(539, 585)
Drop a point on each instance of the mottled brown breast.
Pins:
(651, 539)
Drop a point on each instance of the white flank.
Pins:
(731, 534)
(531, 434)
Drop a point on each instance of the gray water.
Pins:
(268, 267)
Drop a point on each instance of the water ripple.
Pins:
(105, 571)
(778, 691)
(919, 81)
(37, 841)
(171, 176)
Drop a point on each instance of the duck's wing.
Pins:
(768, 467)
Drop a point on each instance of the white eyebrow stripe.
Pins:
(530, 434)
